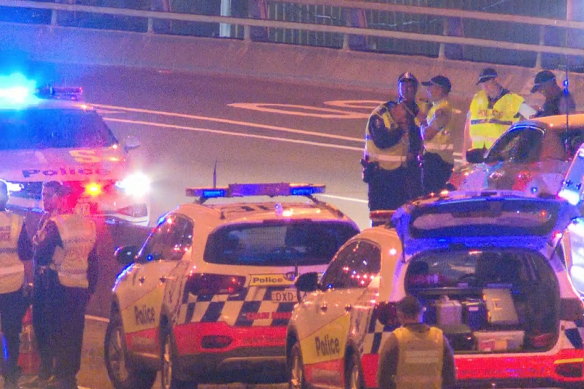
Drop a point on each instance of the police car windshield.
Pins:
(485, 217)
(53, 128)
(277, 243)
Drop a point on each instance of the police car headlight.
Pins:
(137, 185)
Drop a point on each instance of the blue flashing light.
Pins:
(260, 189)
(16, 89)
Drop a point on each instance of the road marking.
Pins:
(344, 198)
(97, 318)
(222, 132)
(301, 110)
(236, 122)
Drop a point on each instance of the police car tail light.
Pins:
(136, 185)
(386, 313)
(206, 284)
(522, 180)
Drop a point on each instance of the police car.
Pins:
(489, 267)
(208, 296)
(532, 156)
(48, 134)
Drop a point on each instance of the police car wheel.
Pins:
(354, 373)
(296, 368)
(122, 373)
(167, 376)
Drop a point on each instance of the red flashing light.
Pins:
(93, 189)
(205, 284)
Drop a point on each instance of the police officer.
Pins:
(437, 134)
(15, 250)
(415, 355)
(492, 110)
(557, 101)
(387, 144)
(65, 274)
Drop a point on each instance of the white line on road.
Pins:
(97, 318)
(236, 122)
(222, 132)
(344, 198)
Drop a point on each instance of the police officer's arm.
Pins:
(388, 358)
(437, 123)
(382, 136)
(24, 245)
(467, 143)
(45, 248)
(448, 367)
(92, 270)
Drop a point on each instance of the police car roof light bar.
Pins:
(258, 189)
(59, 92)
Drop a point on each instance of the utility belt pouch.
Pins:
(370, 169)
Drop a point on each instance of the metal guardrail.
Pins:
(346, 31)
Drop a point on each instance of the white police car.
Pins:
(489, 268)
(208, 296)
(47, 134)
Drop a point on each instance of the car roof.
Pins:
(254, 212)
(553, 123)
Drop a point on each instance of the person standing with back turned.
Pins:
(65, 276)
(415, 356)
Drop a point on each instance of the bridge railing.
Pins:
(342, 24)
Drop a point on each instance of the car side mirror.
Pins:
(475, 155)
(126, 254)
(131, 143)
(307, 282)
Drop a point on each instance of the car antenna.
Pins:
(215, 175)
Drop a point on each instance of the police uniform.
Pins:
(489, 118)
(438, 156)
(416, 356)
(15, 247)
(386, 149)
(65, 276)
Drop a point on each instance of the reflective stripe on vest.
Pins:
(420, 358)
(487, 124)
(11, 267)
(78, 235)
(392, 157)
(441, 143)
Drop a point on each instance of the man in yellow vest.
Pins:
(386, 156)
(492, 110)
(415, 355)
(65, 276)
(15, 250)
(437, 134)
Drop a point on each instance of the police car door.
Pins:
(344, 282)
(158, 267)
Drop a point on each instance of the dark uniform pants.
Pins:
(12, 309)
(436, 173)
(59, 320)
(388, 189)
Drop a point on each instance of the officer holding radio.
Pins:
(65, 275)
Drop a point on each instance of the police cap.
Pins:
(541, 78)
(486, 75)
(407, 76)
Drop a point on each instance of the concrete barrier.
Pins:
(323, 66)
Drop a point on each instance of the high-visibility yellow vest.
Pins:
(441, 143)
(78, 235)
(11, 267)
(487, 124)
(420, 358)
(392, 157)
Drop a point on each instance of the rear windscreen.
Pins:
(504, 217)
(281, 243)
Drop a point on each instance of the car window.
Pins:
(353, 267)
(572, 140)
(53, 128)
(278, 243)
(521, 145)
(171, 238)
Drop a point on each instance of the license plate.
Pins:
(284, 296)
